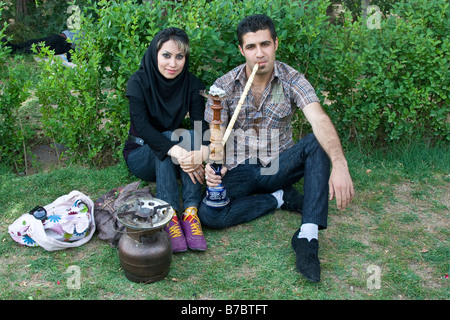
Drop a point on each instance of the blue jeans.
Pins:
(250, 192)
(144, 164)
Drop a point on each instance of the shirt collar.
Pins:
(240, 76)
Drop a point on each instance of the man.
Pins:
(263, 163)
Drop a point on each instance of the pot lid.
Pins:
(144, 213)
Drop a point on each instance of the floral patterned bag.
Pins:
(68, 223)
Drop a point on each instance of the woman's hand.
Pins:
(191, 162)
(177, 152)
(197, 174)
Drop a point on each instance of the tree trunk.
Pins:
(364, 5)
(21, 8)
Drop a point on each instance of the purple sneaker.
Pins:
(173, 228)
(193, 230)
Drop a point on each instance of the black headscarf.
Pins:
(167, 100)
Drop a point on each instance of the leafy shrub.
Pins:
(392, 82)
(13, 92)
(77, 109)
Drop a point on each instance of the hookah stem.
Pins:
(240, 103)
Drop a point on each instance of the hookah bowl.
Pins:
(145, 249)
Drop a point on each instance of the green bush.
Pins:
(14, 90)
(392, 82)
(78, 110)
(381, 84)
(3, 50)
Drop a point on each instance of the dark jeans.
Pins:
(250, 191)
(145, 165)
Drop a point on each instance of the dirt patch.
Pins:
(430, 208)
(45, 157)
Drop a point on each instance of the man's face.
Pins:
(259, 47)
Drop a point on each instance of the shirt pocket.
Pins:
(279, 115)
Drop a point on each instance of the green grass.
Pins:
(397, 223)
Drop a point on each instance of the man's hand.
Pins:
(212, 179)
(341, 186)
(340, 183)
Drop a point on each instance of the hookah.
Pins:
(216, 196)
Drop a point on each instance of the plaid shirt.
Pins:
(261, 132)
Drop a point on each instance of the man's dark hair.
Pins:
(255, 23)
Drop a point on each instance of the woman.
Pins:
(161, 93)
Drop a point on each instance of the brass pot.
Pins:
(145, 256)
(145, 250)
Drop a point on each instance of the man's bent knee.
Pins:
(213, 217)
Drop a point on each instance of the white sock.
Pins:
(309, 231)
(279, 196)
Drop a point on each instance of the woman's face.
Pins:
(170, 60)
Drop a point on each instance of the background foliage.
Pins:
(41, 17)
(13, 92)
(378, 84)
(392, 82)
